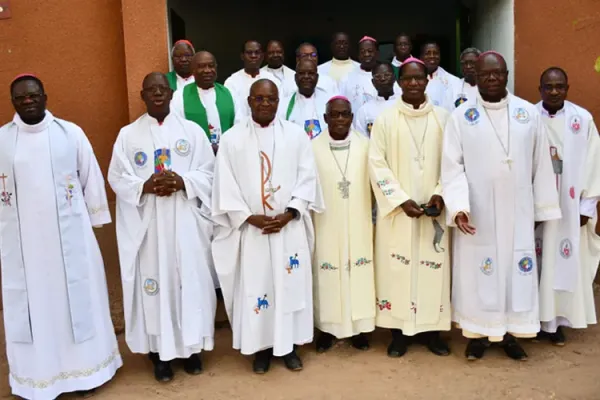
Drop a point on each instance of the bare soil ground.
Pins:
(568, 373)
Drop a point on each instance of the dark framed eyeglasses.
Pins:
(262, 99)
(339, 114)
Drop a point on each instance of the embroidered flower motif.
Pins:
(383, 305)
(431, 264)
(261, 304)
(362, 261)
(388, 192)
(413, 307)
(328, 267)
(402, 259)
(441, 308)
(383, 182)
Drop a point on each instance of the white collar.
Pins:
(39, 127)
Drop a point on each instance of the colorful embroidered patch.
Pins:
(526, 265)
(402, 259)
(361, 262)
(575, 124)
(521, 115)
(312, 127)
(292, 264)
(383, 305)
(461, 99)
(431, 264)
(69, 190)
(538, 247)
(566, 248)
(382, 183)
(182, 147)
(572, 192)
(388, 192)
(261, 304)
(140, 158)
(472, 116)
(487, 266)
(328, 267)
(162, 160)
(151, 287)
(5, 196)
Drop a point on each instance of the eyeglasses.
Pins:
(31, 96)
(154, 88)
(262, 99)
(338, 114)
(307, 55)
(468, 63)
(487, 75)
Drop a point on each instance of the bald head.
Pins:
(154, 78)
(263, 101)
(204, 69)
(492, 76)
(491, 59)
(263, 85)
(203, 56)
(306, 64)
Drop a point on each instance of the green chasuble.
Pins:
(194, 109)
(172, 78)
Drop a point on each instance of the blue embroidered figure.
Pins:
(294, 263)
(261, 304)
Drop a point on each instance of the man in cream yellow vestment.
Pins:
(411, 248)
(343, 279)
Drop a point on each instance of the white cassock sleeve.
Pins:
(199, 179)
(307, 195)
(92, 182)
(360, 122)
(388, 191)
(455, 187)
(591, 190)
(121, 176)
(545, 195)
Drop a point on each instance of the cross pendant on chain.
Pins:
(344, 188)
(508, 162)
(271, 189)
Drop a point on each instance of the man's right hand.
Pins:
(462, 222)
(412, 209)
(259, 221)
(152, 186)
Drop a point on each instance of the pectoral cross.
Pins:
(3, 177)
(508, 162)
(5, 195)
(344, 188)
(270, 189)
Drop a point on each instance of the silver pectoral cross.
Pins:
(344, 188)
(270, 189)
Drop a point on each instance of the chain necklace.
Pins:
(419, 158)
(343, 185)
(506, 148)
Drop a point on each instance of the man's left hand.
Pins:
(583, 220)
(171, 181)
(278, 223)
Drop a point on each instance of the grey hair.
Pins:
(470, 50)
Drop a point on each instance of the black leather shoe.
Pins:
(476, 348)
(399, 344)
(514, 350)
(324, 342)
(360, 342)
(193, 364)
(292, 361)
(262, 361)
(86, 393)
(436, 345)
(163, 371)
(558, 338)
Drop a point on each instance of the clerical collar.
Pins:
(185, 79)
(341, 62)
(435, 73)
(547, 113)
(409, 110)
(494, 106)
(381, 98)
(36, 128)
(340, 144)
(259, 126)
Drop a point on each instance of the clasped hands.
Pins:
(269, 225)
(164, 183)
(413, 210)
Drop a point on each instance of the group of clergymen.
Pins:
(219, 186)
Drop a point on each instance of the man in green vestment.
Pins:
(206, 102)
(181, 55)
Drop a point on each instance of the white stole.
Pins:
(71, 211)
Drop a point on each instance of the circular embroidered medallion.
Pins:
(140, 158)
(575, 124)
(472, 116)
(487, 266)
(521, 115)
(460, 100)
(182, 147)
(566, 248)
(526, 265)
(151, 287)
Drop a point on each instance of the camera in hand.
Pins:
(432, 211)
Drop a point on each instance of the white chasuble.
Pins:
(412, 275)
(306, 112)
(459, 92)
(56, 311)
(567, 275)
(239, 84)
(338, 69)
(266, 279)
(164, 242)
(496, 168)
(343, 272)
(358, 88)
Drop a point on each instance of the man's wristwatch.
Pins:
(295, 213)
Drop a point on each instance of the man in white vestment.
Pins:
(358, 86)
(181, 57)
(402, 49)
(384, 83)
(440, 81)
(306, 105)
(412, 261)
(59, 333)
(161, 172)
(465, 89)
(344, 282)
(341, 64)
(497, 182)
(265, 186)
(569, 246)
(309, 52)
(239, 82)
(274, 57)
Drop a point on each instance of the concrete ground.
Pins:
(568, 373)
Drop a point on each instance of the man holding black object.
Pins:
(412, 269)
